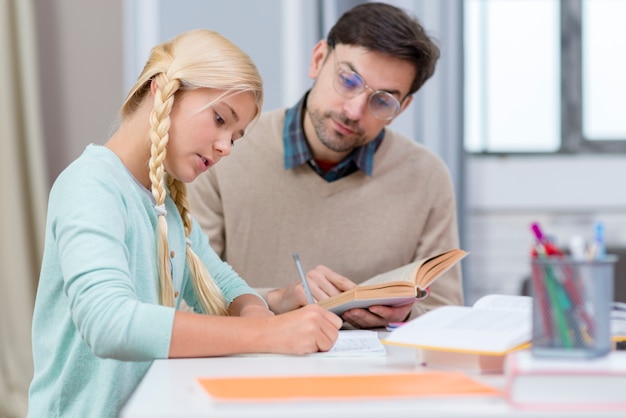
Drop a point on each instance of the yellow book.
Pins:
(397, 287)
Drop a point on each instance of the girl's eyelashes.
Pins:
(219, 119)
(236, 135)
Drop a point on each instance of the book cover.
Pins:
(397, 287)
(536, 382)
(366, 386)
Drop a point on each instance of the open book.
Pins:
(472, 338)
(475, 338)
(495, 324)
(397, 287)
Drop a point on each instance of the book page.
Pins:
(352, 343)
(349, 343)
(435, 266)
(467, 329)
(506, 302)
(401, 274)
(422, 272)
(618, 325)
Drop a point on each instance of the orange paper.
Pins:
(345, 387)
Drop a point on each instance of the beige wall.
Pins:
(80, 46)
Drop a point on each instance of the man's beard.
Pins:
(332, 139)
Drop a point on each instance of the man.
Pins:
(327, 178)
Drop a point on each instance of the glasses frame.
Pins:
(363, 87)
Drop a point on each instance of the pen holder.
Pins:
(571, 306)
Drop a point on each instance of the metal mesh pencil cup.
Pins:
(571, 306)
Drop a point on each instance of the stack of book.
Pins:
(574, 383)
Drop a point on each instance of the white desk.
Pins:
(169, 389)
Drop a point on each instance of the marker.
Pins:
(600, 247)
(542, 241)
(305, 283)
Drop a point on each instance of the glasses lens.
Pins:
(383, 105)
(347, 83)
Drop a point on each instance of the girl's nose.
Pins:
(223, 146)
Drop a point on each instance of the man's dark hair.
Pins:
(389, 30)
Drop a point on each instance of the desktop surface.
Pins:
(171, 389)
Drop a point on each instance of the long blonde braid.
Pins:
(159, 137)
(209, 294)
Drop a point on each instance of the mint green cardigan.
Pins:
(97, 323)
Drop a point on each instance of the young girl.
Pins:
(122, 252)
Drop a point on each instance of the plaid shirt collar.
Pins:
(297, 150)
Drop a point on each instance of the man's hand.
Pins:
(377, 316)
(249, 306)
(323, 282)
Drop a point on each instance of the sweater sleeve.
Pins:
(108, 274)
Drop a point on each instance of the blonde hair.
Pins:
(195, 59)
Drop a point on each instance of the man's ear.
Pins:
(320, 53)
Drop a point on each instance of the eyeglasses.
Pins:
(349, 84)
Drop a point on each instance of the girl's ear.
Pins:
(153, 86)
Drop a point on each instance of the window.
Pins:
(604, 70)
(544, 76)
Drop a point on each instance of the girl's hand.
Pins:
(306, 330)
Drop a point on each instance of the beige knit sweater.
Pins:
(257, 214)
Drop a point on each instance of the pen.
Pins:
(600, 249)
(305, 284)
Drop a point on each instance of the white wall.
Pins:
(556, 183)
(565, 194)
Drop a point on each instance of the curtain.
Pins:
(23, 194)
